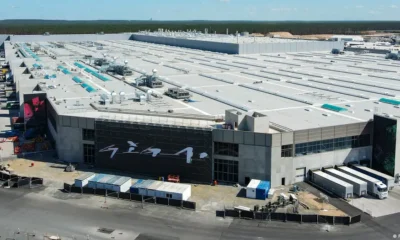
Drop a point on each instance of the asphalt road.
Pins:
(80, 218)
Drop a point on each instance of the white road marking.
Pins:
(196, 109)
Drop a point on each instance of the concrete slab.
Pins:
(378, 208)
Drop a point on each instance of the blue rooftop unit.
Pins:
(66, 71)
(79, 65)
(47, 76)
(91, 89)
(99, 76)
(77, 79)
(334, 108)
(85, 85)
(61, 67)
(89, 70)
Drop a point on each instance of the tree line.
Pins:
(108, 26)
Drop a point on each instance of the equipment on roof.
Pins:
(336, 51)
(393, 56)
(151, 81)
(120, 70)
(178, 93)
(100, 62)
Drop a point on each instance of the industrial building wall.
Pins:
(69, 37)
(69, 142)
(229, 48)
(386, 147)
(254, 153)
(2, 39)
(294, 46)
(284, 169)
(155, 150)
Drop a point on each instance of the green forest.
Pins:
(109, 26)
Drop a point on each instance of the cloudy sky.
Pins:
(257, 10)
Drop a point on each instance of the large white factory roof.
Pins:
(291, 89)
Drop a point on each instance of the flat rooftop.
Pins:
(291, 89)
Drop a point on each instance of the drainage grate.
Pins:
(106, 230)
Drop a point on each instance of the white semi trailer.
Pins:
(375, 187)
(389, 181)
(332, 184)
(360, 187)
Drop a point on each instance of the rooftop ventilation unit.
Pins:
(333, 108)
(151, 81)
(178, 93)
(390, 101)
(77, 79)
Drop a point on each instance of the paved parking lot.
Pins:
(378, 208)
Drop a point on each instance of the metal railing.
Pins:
(289, 217)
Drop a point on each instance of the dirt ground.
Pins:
(317, 205)
(46, 170)
(210, 198)
(314, 36)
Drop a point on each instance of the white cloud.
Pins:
(359, 6)
(225, 1)
(393, 6)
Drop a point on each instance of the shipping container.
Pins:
(386, 179)
(101, 183)
(374, 186)
(122, 184)
(110, 183)
(134, 187)
(152, 189)
(84, 179)
(92, 182)
(258, 189)
(360, 188)
(177, 191)
(141, 188)
(333, 184)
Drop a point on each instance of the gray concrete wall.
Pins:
(317, 134)
(69, 145)
(69, 37)
(229, 48)
(254, 152)
(247, 48)
(2, 39)
(69, 137)
(257, 123)
(300, 46)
